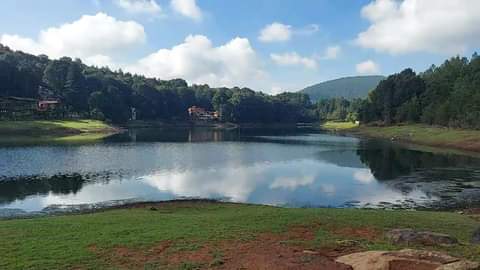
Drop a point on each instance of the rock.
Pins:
(405, 259)
(409, 236)
(370, 260)
(476, 237)
(423, 255)
(460, 265)
(366, 260)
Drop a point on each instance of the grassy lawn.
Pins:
(84, 241)
(331, 125)
(53, 131)
(448, 138)
(427, 135)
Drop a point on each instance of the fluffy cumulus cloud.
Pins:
(368, 67)
(91, 37)
(447, 26)
(198, 61)
(293, 59)
(275, 32)
(139, 6)
(188, 8)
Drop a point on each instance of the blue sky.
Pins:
(268, 45)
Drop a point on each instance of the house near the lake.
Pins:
(25, 108)
(201, 114)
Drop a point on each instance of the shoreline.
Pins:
(213, 125)
(106, 206)
(205, 233)
(418, 135)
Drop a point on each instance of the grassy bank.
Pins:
(468, 140)
(197, 235)
(53, 131)
(331, 125)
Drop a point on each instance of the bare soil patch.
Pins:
(266, 251)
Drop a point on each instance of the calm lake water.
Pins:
(292, 168)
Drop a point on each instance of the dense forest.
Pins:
(101, 93)
(448, 95)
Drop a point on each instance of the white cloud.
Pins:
(368, 67)
(292, 183)
(276, 32)
(276, 90)
(98, 40)
(139, 6)
(198, 61)
(447, 26)
(363, 176)
(279, 32)
(293, 59)
(332, 52)
(89, 37)
(100, 60)
(188, 8)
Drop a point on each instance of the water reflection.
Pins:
(275, 167)
(389, 161)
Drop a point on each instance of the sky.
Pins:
(267, 45)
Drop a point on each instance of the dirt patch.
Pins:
(274, 252)
(204, 256)
(267, 251)
(469, 145)
(129, 258)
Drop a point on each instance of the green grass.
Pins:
(66, 241)
(331, 125)
(427, 135)
(446, 138)
(43, 131)
(53, 126)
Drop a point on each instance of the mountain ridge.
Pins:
(348, 87)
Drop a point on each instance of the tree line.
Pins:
(448, 95)
(101, 93)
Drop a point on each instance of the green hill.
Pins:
(349, 87)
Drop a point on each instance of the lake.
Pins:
(290, 168)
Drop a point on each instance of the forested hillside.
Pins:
(348, 88)
(105, 94)
(448, 95)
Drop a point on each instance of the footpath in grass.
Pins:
(201, 235)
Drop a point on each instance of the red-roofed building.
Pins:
(198, 113)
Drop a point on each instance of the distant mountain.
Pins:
(349, 87)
